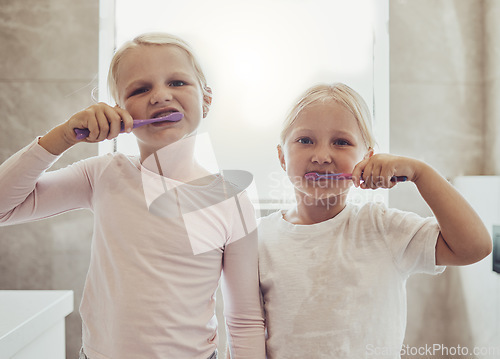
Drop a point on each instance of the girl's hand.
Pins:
(376, 171)
(102, 120)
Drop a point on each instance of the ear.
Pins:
(281, 157)
(207, 100)
(369, 153)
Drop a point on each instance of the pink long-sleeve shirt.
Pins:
(150, 288)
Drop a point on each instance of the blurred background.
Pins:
(444, 109)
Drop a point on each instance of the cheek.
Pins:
(193, 96)
(356, 155)
(287, 154)
(130, 106)
(295, 161)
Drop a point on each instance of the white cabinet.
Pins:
(478, 283)
(32, 323)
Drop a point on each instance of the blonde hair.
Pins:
(154, 39)
(340, 93)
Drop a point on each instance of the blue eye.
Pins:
(178, 83)
(305, 141)
(341, 142)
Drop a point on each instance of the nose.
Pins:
(322, 155)
(161, 94)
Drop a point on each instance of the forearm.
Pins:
(464, 237)
(19, 176)
(56, 141)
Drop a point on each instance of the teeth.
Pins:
(163, 114)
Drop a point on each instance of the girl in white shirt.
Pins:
(333, 274)
(150, 289)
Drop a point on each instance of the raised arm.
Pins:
(27, 192)
(463, 238)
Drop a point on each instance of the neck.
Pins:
(175, 161)
(311, 210)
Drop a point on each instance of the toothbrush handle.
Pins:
(81, 133)
(173, 117)
(399, 179)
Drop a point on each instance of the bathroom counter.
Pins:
(32, 323)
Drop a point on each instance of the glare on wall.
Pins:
(259, 57)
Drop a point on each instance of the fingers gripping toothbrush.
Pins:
(343, 176)
(82, 133)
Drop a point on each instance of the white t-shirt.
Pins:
(336, 289)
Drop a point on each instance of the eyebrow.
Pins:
(182, 73)
(308, 130)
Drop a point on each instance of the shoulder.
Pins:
(376, 216)
(96, 166)
(118, 159)
(270, 219)
(377, 210)
(365, 213)
(268, 225)
(121, 158)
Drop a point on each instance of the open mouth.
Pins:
(320, 173)
(163, 114)
(166, 117)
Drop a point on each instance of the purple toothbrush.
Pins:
(81, 133)
(344, 176)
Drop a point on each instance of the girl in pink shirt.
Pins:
(150, 288)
